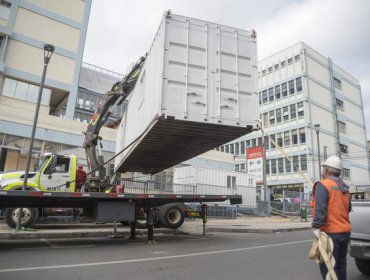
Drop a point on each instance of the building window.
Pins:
(276, 66)
(278, 115)
(6, 4)
(279, 137)
(265, 120)
(290, 60)
(304, 162)
(271, 94)
(337, 83)
(263, 72)
(281, 165)
(346, 173)
(270, 69)
(242, 147)
(253, 142)
(222, 149)
(260, 97)
(286, 113)
(295, 163)
(259, 141)
(288, 166)
(293, 112)
(231, 181)
(227, 149)
(286, 138)
(300, 109)
(272, 117)
(341, 126)
(277, 92)
(291, 87)
(294, 137)
(231, 148)
(25, 91)
(273, 166)
(283, 63)
(302, 136)
(242, 167)
(266, 142)
(339, 104)
(298, 84)
(267, 166)
(264, 96)
(247, 143)
(297, 57)
(272, 136)
(284, 90)
(343, 148)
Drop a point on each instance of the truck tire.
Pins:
(171, 216)
(141, 219)
(30, 216)
(363, 266)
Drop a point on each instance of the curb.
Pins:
(254, 230)
(83, 233)
(76, 234)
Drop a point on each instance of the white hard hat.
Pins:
(334, 162)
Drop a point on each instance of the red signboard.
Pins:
(255, 163)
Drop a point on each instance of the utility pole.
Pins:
(48, 51)
(266, 196)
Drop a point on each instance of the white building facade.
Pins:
(25, 26)
(300, 88)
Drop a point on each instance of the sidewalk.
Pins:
(249, 225)
(83, 230)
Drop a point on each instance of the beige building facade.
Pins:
(25, 26)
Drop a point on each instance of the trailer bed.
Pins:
(87, 200)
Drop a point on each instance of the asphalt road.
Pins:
(217, 256)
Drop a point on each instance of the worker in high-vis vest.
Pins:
(331, 206)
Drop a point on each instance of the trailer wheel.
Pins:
(141, 219)
(171, 216)
(29, 217)
(363, 266)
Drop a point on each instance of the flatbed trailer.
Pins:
(88, 200)
(113, 207)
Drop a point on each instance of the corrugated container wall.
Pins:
(218, 181)
(197, 90)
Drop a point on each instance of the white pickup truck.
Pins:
(360, 236)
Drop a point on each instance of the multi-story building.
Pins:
(25, 26)
(300, 88)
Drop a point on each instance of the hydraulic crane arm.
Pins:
(104, 109)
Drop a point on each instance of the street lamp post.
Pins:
(48, 51)
(317, 128)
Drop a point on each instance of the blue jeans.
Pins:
(340, 241)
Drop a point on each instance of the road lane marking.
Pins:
(196, 239)
(151, 259)
(56, 247)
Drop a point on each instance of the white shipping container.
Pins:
(196, 91)
(217, 181)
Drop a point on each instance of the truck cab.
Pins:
(52, 175)
(56, 173)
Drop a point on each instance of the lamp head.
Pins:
(317, 127)
(48, 51)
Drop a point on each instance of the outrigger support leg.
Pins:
(150, 223)
(133, 230)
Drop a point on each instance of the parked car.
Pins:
(360, 236)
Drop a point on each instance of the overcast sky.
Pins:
(120, 31)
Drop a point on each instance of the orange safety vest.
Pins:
(337, 216)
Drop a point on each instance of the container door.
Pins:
(186, 69)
